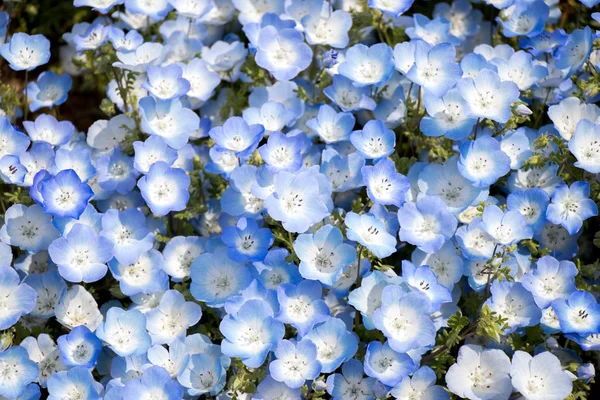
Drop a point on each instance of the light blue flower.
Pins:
(351, 380)
(128, 232)
(301, 306)
(482, 161)
(50, 90)
(247, 241)
(282, 52)
(165, 189)
(579, 313)
(171, 318)
(155, 381)
(371, 233)
(386, 365)
(25, 52)
(77, 381)
(510, 300)
(365, 65)
(570, 206)
(125, 332)
(296, 363)
(18, 298)
(374, 141)
(20, 373)
(80, 347)
(335, 344)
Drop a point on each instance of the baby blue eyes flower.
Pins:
(423, 380)
(168, 119)
(238, 136)
(524, 18)
(48, 129)
(171, 318)
(579, 313)
(374, 141)
(335, 344)
(446, 116)
(18, 298)
(282, 152)
(550, 280)
(391, 8)
(165, 189)
(125, 332)
(512, 301)
(80, 347)
(532, 204)
(323, 255)
(435, 68)
(283, 53)
(102, 6)
(367, 65)
(251, 333)
(20, 372)
(575, 51)
(351, 380)
(482, 161)
(384, 185)
(247, 241)
(371, 233)
(166, 83)
(28, 228)
(386, 365)
(155, 381)
(487, 96)
(541, 376)
(507, 228)
(25, 52)
(331, 126)
(301, 306)
(128, 232)
(330, 58)
(50, 90)
(427, 223)
(295, 364)
(77, 380)
(585, 146)
(570, 206)
(64, 195)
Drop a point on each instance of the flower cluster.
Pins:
(300, 199)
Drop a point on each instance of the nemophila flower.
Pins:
(427, 223)
(13, 142)
(540, 377)
(570, 206)
(350, 383)
(435, 69)
(374, 141)
(64, 195)
(326, 27)
(404, 319)
(152, 150)
(102, 6)
(25, 52)
(567, 114)
(168, 119)
(247, 241)
(171, 318)
(487, 96)
(78, 307)
(404, 56)
(50, 90)
(105, 135)
(422, 279)
(251, 333)
(282, 52)
(237, 135)
(274, 270)
(335, 344)
(191, 9)
(17, 300)
(255, 291)
(179, 253)
(77, 381)
(225, 59)
(116, 172)
(516, 145)
(370, 232)
(145, 275)
(421, 383)
(282, 152)
(579, 313)
(18, 371)
(47, 129)
(506, 227)
(386, 365)
(512, 301)
(295, 363)
(11, 170)
(28, 228)
(45, 353)
(347, 96)
(367, 65)
(299, 200)
(215, 277)
(82, 254)
(165, 189)
(575, 51)
(520, 69)
(532, 204)
(269, 388)
(446, 264)
(585, 146)
(323, 255)
(80, 347)
(482, 161)
(166, 83)
(252, 30)
(393, 9)
(384, 184)
(524, 18)
(146, 55)
(446, 116)
(155, 381)
(480, 373)
(128, 232)
(125, 332)
(91, 38)
(49, 287)
(344, 173)
(122, 41)
(550, 280)
(204, 372)
(301, 305)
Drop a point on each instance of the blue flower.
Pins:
(25, 52)
(247, 241)
(386, 365)
(47, 129)
(204, 373)
(64, 195)
(251, 333)
(282, 152)
(269, 388)
(301, 306)
(347, 96)
(435, 68)
(168, 119)
(116, 172)
(165, 189)
(344, 173)
(15, 141)
(520, 69)
(506, 227)
(171, 318)
(427, 223)
(371, 233)
(274, 270)
(374, 141)
(102, 6)
(482, 161)
(335, 344)
(282, 52)
(122, 41)
(166, 83)
(541, 375)
(579, 313)
(524, 18)
(77, 381)
(296, 363)
(128, 232)
(155, 381)
(487, 96)
(393, 9)
(446, 116)
(575, 51)
(20, 371)
(367, 65)
(432, 31)
(80, 347)
(28, 228)
(512, 301)
(404, 319)
(50, 90)
(50, 288)
(550, 280)
(585, 146)
(18, 298)
(326, 27)
(238, 136)
(125, 332)
(422, 279)
(384, 184)
(423, 380)
(351, 380)
(570, 206)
